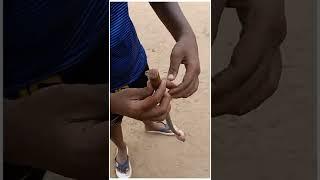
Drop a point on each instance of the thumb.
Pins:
(175, 61)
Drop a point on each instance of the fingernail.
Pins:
(170, 76)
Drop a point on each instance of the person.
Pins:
(131, 95)
(254, 72)
(55, 89)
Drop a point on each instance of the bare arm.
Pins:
(185, 50)
(172, 17)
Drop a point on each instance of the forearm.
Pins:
(172, 17)
(245, 59)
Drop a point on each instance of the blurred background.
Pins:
(275, 141)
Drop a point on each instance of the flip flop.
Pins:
(164, 130)
(123, 170)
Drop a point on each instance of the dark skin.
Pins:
(255, 68)
(141, 103)
(184, 52)
(55, 126)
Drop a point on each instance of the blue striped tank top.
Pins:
(127, 56)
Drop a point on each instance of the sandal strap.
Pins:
(124, 167)
(166, 128)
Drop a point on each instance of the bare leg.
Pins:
(117, 139)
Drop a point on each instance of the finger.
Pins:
(162, 116)
(183, 94)
(269, 86)
(171, 85)
(175, 61)
(188, 79)
(148, 91)
(235, 102)
(194, 89)
(165, 102)
(159, 119)
(149, 85)
(188, 91)
(155, 99)
(138, 93)
(141, 93)
(161, 110)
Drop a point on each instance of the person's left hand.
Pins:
(185, 52)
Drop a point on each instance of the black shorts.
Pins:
(141, 82)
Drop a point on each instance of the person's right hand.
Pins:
(61, 128)
(142, 103)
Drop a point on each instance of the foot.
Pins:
(122, 155)
(158, 127)
(122, 163)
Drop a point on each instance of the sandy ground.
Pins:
(162, 156)
(275, 141)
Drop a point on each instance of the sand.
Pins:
(162, 156)
(273, 142)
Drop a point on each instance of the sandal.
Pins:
(123, 170)
(164, 130)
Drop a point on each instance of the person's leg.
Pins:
(117, 139)
(122, 162)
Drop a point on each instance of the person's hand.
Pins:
(259, 87)
(185, 52)
(142, 103)
(255, 68)
(62, 128)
